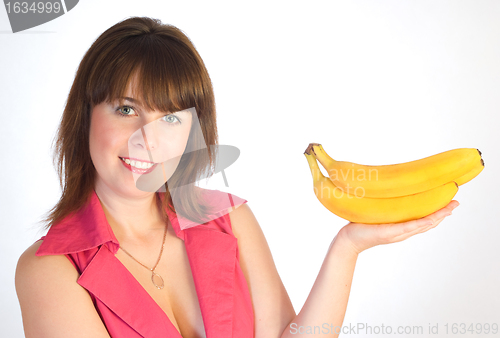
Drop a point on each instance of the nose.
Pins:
(150, 135)
(146, 137)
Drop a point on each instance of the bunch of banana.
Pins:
(391, 193)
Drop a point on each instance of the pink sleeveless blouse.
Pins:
(126, 309)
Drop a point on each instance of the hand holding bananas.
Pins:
(391, 193)
(361, 236)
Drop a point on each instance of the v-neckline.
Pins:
(213, 260)
(138, 284)
(151, 299)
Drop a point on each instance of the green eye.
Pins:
(171, 118)
(126, 110)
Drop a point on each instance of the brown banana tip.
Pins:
(482, 162)
(479, 152)
(455, 183)
(310, 148)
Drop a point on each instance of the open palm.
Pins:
(364, 236)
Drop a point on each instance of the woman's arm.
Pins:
(327, 301)
(52, 303)
(326, 304)
(273, 309)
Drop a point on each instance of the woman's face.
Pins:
(134, 150)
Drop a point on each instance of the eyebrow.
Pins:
(130, 99)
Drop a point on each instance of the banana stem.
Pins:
(310, 149)
(325, 160)
(313, 165)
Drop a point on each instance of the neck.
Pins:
(130, 216)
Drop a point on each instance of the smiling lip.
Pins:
(137, 170)
(136, 159)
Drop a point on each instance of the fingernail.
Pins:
(429, 222)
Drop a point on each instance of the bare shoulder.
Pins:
(52, 303)
(33, 270)
(269, 296)
(243, 220)
(30, 262)
(252, 242)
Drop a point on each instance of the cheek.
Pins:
(187, 134)
(172, 142)
(181, 141)
(104, 138)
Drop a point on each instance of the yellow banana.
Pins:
(378, 210)
(385, 181)
(471, 174)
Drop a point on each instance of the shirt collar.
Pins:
(82, 230)
(88, 227)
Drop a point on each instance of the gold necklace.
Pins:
(154, 274)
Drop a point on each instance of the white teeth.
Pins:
(138, 164)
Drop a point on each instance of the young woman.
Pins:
(134, 248)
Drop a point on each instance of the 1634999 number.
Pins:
(34, 7)
(471, 328)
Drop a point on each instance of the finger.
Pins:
(397, 232)
(453, 204)
(449, 208)
(442, 213)
(425, 224)
(435, 224)
(414, 227)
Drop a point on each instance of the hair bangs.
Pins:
(158, 71)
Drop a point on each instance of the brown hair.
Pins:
(172, 77)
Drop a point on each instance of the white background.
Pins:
(375, 82)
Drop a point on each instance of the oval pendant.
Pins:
(158, 278)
